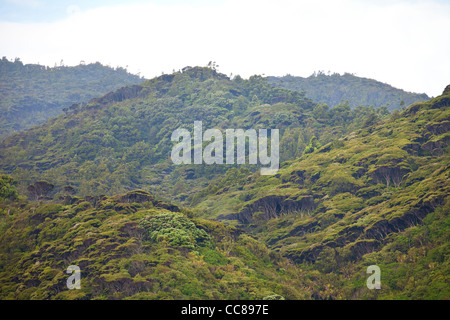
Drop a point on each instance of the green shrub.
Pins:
(7, 188)
(176, 229)
(213, 257)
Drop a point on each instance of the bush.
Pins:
(7, 188)
(213, 257)
(176, 229)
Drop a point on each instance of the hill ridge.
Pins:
(334, 89)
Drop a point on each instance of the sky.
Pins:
(404, 43)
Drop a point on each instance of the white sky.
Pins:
(404, 43)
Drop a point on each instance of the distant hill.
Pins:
(30, 94)
(334, 89)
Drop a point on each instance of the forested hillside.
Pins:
(96, 187)
(378, 196)
(30, 94)
(121, 141)
(132, 246)
(335, 89)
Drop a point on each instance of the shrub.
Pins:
(176, 229)
(7, 188)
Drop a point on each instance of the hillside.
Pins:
(132, 246)
(95, 187)
(30, 94)
(121, 141)
(379, 195)
(335, 88)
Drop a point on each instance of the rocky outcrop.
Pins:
(389, 174)
(141, 196)
(438, 128)
(270, 207)
(360, 240)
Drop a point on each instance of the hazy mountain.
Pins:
(30, 94)
(335, 89)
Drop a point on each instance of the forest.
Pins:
(30, 94)
(95, 186)
(333, 88)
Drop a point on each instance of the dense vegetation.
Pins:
(119, 244)
(121, 141)
(30, 94)
(95, 187)
(377, 196)
(333, 89)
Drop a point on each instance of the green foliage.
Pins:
(7, 188)
(274, 297)
(357, 188)
(377, 196)
(121, 141)
(213, 257)
(332, 89)
(119, 259)
(312, 146)
(30, 94)
(176, 229)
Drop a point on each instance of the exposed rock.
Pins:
(438, 128)
(360, 241)
(141, 196)
(271, 207)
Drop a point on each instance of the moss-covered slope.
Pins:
(131, 247)
(379, 194)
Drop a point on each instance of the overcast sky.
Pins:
(404, 43)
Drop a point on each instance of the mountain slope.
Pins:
(334, 89)
(377, 196)
(357, 188)
(30, 94)
(133, 246)
(121, 141)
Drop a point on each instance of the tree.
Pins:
(40, 189)
(312, 146)
(370, 120)
(69, 190)
(7, 188)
